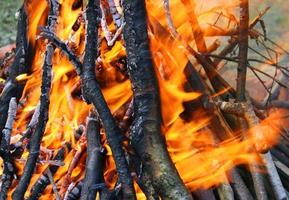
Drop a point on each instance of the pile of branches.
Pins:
(146, 159)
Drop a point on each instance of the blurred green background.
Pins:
(277, 19)
(8, 21)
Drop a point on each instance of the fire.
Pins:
(190, 143)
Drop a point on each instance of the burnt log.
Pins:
(145, 133)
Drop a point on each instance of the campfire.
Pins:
(142, 99)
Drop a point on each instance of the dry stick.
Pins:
(225, 191)
(66, 182)
(44, 108)
(234, 41)
(43, 181)
(112, 130)
(19, 66)
(94, 159)
(250, 116)
(196, 29)
(92, 93)
(19, 147)
(242, 191)
(241, 88)
(8, 171)
(237, 183)
(146, 137)
(274, 178)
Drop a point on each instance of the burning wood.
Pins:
(163, 121)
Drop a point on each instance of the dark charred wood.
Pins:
(74, 194)
(204, 194)
(19, 66)
(280, 156)
(39, 187)
(92, 94)
(9, 168)
(18, 148)
(146, 136)
(94, 160)
(44, 107)
(239, 186)
(142, 177)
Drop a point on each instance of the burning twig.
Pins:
(95, 158)
(8, 171)
(54, 187)
(145, 132)
(92, 93)
(19, 147)
(274, 178)
(117, 18)
(107, 34)
(66, 182)
(44, 180)
(44, 106)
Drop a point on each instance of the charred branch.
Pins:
(92, 94)
(44, 107)
(9, 170)
(95, 158)
(44, 181)
(145, 131)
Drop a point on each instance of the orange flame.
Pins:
(201, 161)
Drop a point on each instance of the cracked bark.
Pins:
(146, 137)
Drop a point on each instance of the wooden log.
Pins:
(146, 136)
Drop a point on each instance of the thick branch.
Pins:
(146, 136)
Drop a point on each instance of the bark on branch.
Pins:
(44, 107)
(146, 137)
